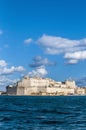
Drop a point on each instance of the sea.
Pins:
(42, 112)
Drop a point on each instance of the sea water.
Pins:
(42, 112)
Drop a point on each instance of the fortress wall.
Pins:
(41, 89)
(20, 91)
(66, 90)
(70, 84)
(11, 90)
(51, 89)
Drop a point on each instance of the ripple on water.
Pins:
(42, 113)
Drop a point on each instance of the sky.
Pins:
(42, 38)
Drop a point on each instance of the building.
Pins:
(28, 86)
(80, 91)
(42, 86)
(2, 92)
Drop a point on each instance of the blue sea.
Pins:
(42, 113)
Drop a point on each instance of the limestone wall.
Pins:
(70, 84)
(20, 91)
(35, 85)
(66, 90)
(38, 82)
(80, 91)
(41, 89)
(59, 90)
(51, 89)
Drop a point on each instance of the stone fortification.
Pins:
(43, 86)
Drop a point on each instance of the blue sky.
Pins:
(46, 38)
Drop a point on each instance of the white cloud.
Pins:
(52, 51)
(27, 41)
(74, 50)
(72, 61)
(39, 61)
(3, 63)
(1, 32)
(57, 44)
(4, 81)
(40, 71)
(39, 64)
(79, 55)
(20, 69)
(6, 72)
(11, 70)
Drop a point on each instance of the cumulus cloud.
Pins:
(6, 71)
(39, 71)
(27, 41)
(73, 50)
(3, 63)
(75, 56)
(57, 44)
(4, 80)
(39, 66)
(79, 55)
(39, 61)
(11, 70)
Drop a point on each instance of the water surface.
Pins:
(42, 113)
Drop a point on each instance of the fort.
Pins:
(44, 86)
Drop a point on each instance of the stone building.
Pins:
(80, 90)
(41, 86)
(62, 88)
(28, 86)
